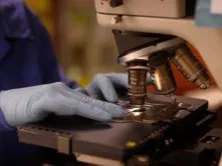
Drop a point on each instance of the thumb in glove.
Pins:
(110, 86)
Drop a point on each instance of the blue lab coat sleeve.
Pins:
(49, 69)
(26, 59)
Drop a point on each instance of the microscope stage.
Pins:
(117, 140)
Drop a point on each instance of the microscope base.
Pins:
(117, 143)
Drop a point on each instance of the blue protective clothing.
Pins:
(27, 59)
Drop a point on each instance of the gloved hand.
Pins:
(213, 95)
(110, 87)
(31, 104)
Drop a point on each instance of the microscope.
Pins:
(159, 129)
(151, 36)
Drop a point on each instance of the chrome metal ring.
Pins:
(145, 52)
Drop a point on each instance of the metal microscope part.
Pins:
(172, 97)
(162, 74)
(144, 52)
(137, 73)
(153, 111)
(190, 67)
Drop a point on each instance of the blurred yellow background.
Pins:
(83, 48)
(44, 10)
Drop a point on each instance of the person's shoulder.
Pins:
(4, 3)
(14, 19)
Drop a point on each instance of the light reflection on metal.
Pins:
(153, 111)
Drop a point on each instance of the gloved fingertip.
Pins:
(120, 112)
(104, 117)
(110, 94)
(112, 98)
(115, 110)
(98, 114)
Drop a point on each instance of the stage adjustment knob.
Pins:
(115, 3)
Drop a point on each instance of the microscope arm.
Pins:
(208, 41)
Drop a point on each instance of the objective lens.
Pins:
(190, 67)
(162, 74)
(137, 72)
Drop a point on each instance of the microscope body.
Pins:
(143, 29)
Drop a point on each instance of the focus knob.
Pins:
(115, 3)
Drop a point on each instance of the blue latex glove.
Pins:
(110, 87)
(32, 104)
